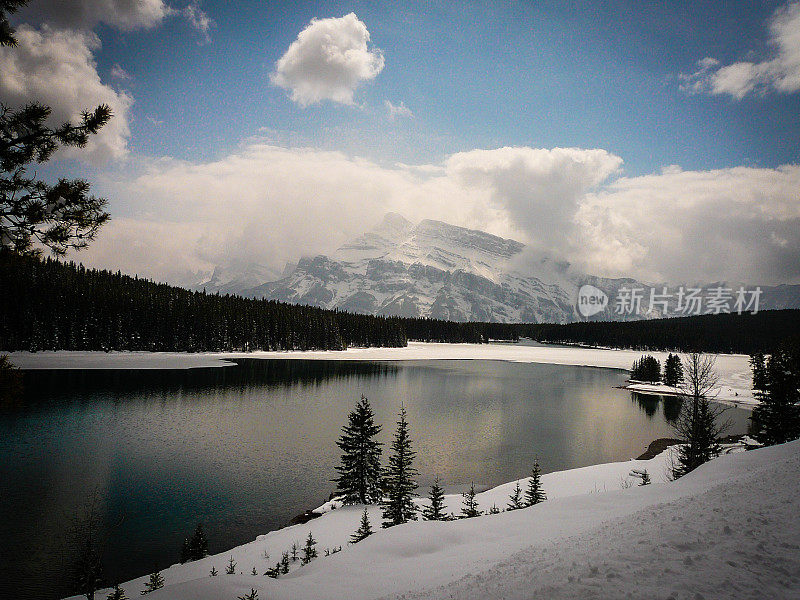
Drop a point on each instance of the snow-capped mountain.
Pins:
(433, 269)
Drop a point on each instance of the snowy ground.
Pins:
(733, 369)
(727, 530)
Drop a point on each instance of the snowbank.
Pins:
(728, 529)
(733, 369)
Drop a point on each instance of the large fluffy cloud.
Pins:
(327, 61)
(57, 68)
(781, 72)
(125, 15)
(268, 205)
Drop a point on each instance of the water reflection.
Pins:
(650, 403)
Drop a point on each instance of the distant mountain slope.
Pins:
(441, 271)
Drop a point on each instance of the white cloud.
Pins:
(199, 20)
(327, 61)
(779, 73)
(394, 111)
(57, 68)
(269, 205)
(118, 72)
(126, 15)
(539, 188)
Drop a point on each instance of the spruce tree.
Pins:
(360, 468)
(231, 568)
(186, 553)
(535, 494)
(254, 572)
(285, 563)
(435, 511)
(673, 371)
(295, 550)
(117, 594)
(253, 595)
(213, 572)
(645, 478)
(776, 418)
(470, 504)
(155, 582)
(398, 481)
(758, 366)
(198, 545)
(364, 530)
(515, 500)
(697, 425)
(309, 550)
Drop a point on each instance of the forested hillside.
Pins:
(746, 333)
(51, 305)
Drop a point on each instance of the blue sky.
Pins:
(537, 74)
(239, 142)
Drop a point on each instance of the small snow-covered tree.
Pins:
(231, 568)
(117, 594)
(364, 530)
(253, 595)
(309, 550)
(155, 582)
(535, 494)
(494, 510)
(435, 511)
(213, 572)
(360, 468)
(295, 550)
(285, 563)
(469, 507)
(398, 480)
(645, 478)
(515, 499)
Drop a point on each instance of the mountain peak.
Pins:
(393, 222)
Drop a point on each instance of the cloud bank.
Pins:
(267, 205)
(780, 73)
(329, 59)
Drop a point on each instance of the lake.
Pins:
(243, 449)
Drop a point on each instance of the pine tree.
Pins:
(360, 469)
(117, 594)
(673, 371)
(398, 481)
(285, 563)
(155, 582)
(295, 549)
(470, 504)
(645, 478)
(758, 366)
(309, 550)
(776, 418)
(186, 553)
(535, 494)
(697, 425)
(198, 545)
(515, 500)
(253, 595)
(231, 568)
(213, 572)
(435, 511)
(364, 530)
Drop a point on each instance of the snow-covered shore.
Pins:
(728, 529)
(733, 369)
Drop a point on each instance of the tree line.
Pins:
(723, 333)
